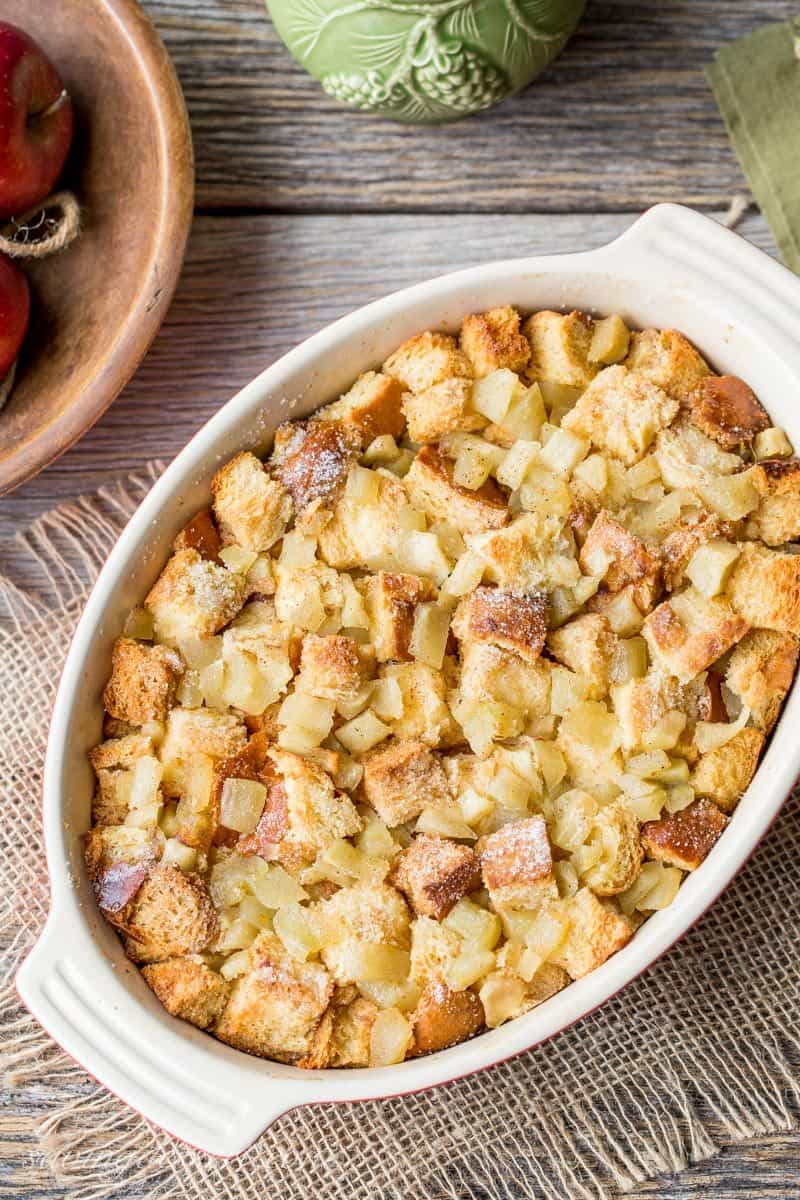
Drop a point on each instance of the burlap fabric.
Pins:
(700, 1051)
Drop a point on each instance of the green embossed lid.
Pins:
(424, 62)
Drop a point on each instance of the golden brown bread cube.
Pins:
(679, 545)
(517, 865)
(276, 1005)
(357, 536)
(777, 518)
(118, 860)
(200, 534)
(120, 753)
(723, 774)
(443, 408)
(492, 340)
(315, 459)
(727, 410)
(586, 645)
(444, 1018)
(668, 359)
(491, 673)
(343, 1036)
(192, 731)
(597, 930)
(434, 873)
(365, 914)
(764, 588)
(684, 839)
(170, 916)
(188, 989)
(252, 508)
(194, 597)
(760, 672)
(560, 347)
(509, 618)
(143, 681)
(690, 631)
(334, 667)
(431, 489)
(426, 716)
(621, 412)
(433, 948)
(390, 600)
(372, 406)
(640, 704)
(616, 830)
(425, 360)
(621, 558)
(401, 777)
(111, 761)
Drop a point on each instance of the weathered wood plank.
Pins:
(623, 119)
(253, 287)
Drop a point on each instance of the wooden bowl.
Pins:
(98, 304)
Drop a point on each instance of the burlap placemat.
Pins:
(702, 1050)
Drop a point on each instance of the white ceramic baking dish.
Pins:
(672, 268)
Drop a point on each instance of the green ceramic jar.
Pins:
(424, 61)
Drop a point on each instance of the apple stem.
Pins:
(61, 99)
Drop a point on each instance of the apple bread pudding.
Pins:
(438, 702)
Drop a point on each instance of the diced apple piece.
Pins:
(429, 635)
(467, 968)
(465, 576)
(237, 559)
(770, 443)
(564, 451)
(362, 733)
(492, 395)
(711, 565)
(480, 929)
(296, 928)
(440, 822)
(502, 996)
(242, 803)
(390, 1038)
(610, 341)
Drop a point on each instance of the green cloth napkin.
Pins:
(756, 81)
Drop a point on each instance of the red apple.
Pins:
(35, 122)
(15, 306)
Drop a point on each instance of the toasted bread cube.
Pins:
(777, 518)
(681, 542)
(560, 345)
(434, 874)
(444, 1018)
(431, 489)
(333, 667)
(684, 839)
(120, 753)
(372, 406)
(252, 509)
(170, 916)
(426, 716)
(118, 860)
(621, 558)
(275, 1007)
(194, 597)
(640, 704)
(200, 534)
(444, 408)
(668, 359)
(616, 831)
(492, 340)
(188, 989)
(723, 774)
(313, 460)
(511, 619)
(587, 646)
(689, 632)
(487, 672)
(765, 588)
(760, 672)
(363, 535)
(401, 778)
(517, 865)
(727, 410)
(352, 1030)
(597, 930)
(390, 601)
(193, 731)
(303, 814)
(363, 915)
(113, 762)
(142, 683)
(434, 948)
(532, 552)
(621, 412)
(425, 360)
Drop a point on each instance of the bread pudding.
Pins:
(437, 703)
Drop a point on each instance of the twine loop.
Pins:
(44, 229)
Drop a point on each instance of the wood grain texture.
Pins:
(623, 119)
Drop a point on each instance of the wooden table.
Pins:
(306, 211)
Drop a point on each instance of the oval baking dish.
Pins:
(672, 268)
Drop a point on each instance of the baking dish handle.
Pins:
(673, 244)
(201, 1098)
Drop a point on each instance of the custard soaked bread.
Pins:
(439, 701)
